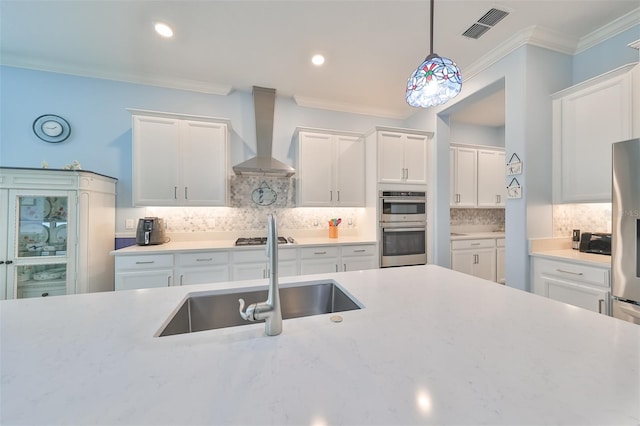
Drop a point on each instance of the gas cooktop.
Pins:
(260, 241)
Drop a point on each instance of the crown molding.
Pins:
(318, 103)
(173, 83)
(635, 44)
(616, 26)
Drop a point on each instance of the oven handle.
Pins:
(404, 200)
(403, 229)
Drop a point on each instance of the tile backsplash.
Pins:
(592, 217)
(245, 215)
(477, 217)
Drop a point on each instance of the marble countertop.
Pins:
(560, 249)
(224, 244)
(430, 346)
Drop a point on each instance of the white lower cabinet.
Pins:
(500, 261)
(188, 267)
(143, 271)
(254, 264)
(358, 257)
(201, 267)
(475, 257)
(585, 286)
(319, 260)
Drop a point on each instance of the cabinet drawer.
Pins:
(146, 261)
(260, 255)
(318, 252)
(574, 272)
(359, 250)
(472, 244)
(202, 258)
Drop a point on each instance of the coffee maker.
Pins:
(150, 231)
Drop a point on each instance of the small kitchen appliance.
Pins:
(150, 231)
(625, 250)
(598, 242)
(575, 240)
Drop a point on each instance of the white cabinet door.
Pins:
(402, 158)
(202, 275)
(249, 271)
(465, 171)
(178, 161)
(203, 152)
(480, 263)
(4, 219)
(315, 170)
(155, 165)
(415, 159)
(331, 170)
(500, 262)
(491, 178)
(318, 266)
(350, 171)
(587, 119)
(390, 157)
(359, 263)
(594, 299)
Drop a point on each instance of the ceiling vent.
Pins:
(485, 23)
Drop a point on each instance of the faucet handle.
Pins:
(248, 315)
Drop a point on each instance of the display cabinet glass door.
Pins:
(39, 243)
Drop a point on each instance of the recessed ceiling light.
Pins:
(317, 60)
(163, 29)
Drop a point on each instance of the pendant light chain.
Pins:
(431, 28)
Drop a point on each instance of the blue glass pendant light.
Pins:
(435, 81)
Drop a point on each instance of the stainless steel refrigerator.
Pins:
(625, 245)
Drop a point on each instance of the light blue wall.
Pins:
(471, 134)
(610, 54)
(101, 126)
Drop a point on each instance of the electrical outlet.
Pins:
(315, 221)
(128, 223)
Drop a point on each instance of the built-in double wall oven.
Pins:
(403, 228)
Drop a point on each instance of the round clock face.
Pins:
(51, 128)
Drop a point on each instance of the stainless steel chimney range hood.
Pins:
(263, 164)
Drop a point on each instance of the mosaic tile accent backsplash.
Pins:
(465, 217)
(244, 214)
(592, 217)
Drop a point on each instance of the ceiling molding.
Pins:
(616, 26)
(635, 44)
(174, 83)
(309, 102)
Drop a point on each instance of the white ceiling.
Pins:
(371, 46)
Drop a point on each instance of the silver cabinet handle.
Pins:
(600, 303)
(407, 175)
(336, 267)
(319, 252)
(569, 272)
(457, 198)
(205, 260)
(175, 192)
(186, 192)
(330, 195)
(499, 198)
(146, 262)
(181, 276)
(169, 281)
(475, 244)
(338, 196)
(344, 265)
(359, 251)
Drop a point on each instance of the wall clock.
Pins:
(51, 128)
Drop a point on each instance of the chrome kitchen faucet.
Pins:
(270, 310)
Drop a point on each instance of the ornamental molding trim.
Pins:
(616, 26)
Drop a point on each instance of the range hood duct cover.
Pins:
(263, 164)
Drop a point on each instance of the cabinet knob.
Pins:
(9, 262)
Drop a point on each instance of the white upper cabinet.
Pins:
(463, 174)
(331, 169)
(179, 160)
(492, 189)
(402, 156)
(477, 177)
(587, 119)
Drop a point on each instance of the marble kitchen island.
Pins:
(430, 346)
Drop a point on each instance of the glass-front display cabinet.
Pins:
(57, 230)
(40, 243)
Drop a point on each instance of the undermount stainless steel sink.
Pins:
(208, 311)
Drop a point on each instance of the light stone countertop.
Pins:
(431, 346)
(560, 249)
(214, 245)
(476, 235)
